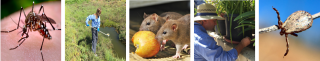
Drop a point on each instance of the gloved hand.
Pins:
(87, 24)
(98, 29)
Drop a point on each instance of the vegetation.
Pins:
(78, 37)
(246, 9)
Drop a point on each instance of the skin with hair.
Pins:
(153, 22)
(178, 31)
(209, 25)
(29, 50)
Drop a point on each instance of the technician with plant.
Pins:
(205, 47)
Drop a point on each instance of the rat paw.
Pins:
(176, 56)
(162, 48)
(185, 47)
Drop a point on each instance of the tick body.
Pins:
(297, 22)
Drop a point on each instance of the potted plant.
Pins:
(247, 21)
(233, 9)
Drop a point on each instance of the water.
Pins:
(118, 47)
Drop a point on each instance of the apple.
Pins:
(146, 44)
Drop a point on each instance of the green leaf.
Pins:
(246, 19)
(246, 14)
(246, 30)
(250, 22)
(253, 39)
(244, 25)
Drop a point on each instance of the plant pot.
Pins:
(221, 27)
(235, 31)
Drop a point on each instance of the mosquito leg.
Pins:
(24, 38)
(24, 32)
(40, 9)
(32, 6)
(285, 54)
(50, 22)
(41, 49)
(18, 22)
(47, 17)
(15, 22)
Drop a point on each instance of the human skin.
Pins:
(29, 50)
(209, 25)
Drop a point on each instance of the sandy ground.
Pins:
(273, 46)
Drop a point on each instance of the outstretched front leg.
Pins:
(18, 22)
(279, 21)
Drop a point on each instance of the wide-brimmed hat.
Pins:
(205, 12)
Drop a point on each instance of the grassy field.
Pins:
(78, 36)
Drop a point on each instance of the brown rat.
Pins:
(153, 22)
(178, 31)
(185, 18)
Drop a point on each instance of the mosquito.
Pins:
(34, 22)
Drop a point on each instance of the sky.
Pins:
(268, 17)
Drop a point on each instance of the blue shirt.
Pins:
(95, 22)
(206, 49)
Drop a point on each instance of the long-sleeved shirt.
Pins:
(95, 22)
(206, 49)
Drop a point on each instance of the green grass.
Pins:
(78, 36)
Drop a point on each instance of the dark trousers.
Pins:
(94, 38)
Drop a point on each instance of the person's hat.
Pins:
(205, 12)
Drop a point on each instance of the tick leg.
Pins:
(18, 22)
(279, 21)
(41, 49)
(285, 54)
(294, 34)
(43, 14)
(24, 38)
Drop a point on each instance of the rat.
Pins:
(153, 22)
(184, 19)
(178, 31)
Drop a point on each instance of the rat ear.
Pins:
(145, 15)
(167, 18)
(174, 27)
(155, 16)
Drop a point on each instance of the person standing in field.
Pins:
(95, 28)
